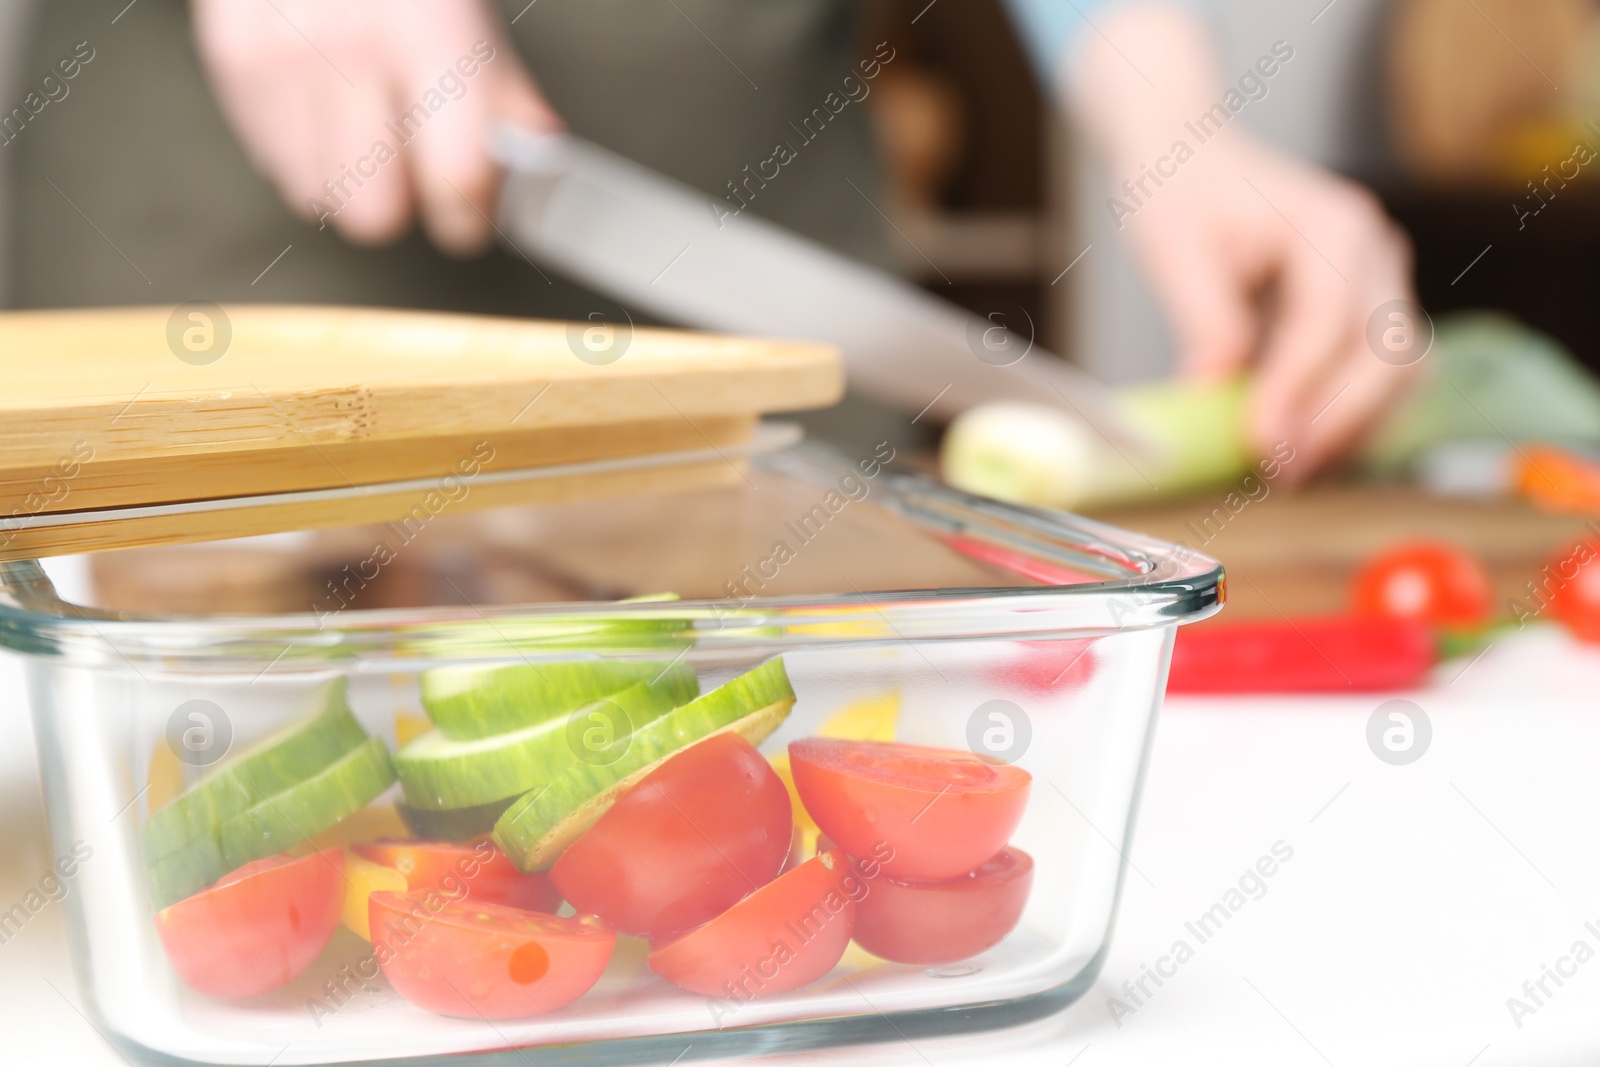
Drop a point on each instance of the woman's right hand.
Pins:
(366, 114)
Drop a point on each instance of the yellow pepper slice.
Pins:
(363, 878)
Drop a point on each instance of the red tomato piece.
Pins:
(787, 934)
(940, 812)
(1339, 654)
(485, 961)
(256, 929)
(1574, 584)
(1426, 581)
(941, 922)
(694, 836)
(487, 873)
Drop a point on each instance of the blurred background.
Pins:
(1423, 549)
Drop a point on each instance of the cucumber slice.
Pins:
(336, 792)
(457, 824)
(541, 633)
(186, 872)
(287, 818)
(468, 703)
(438, 774)
(275, 763)
(540, 825)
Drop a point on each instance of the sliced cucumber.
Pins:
(540, 633)
(468, 703)
(457, 824)
(287, 818)
(336, 792)
(540, 825)
(267, 767)
(186, 872)
(438, 774)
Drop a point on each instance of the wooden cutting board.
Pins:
(1297, 552)
(124, 408)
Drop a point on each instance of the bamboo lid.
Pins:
(127, 426)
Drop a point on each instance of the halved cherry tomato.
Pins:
(941, 922)
(256, 929)
(485, 961)
(706, 828)
(786, 934)
(487, 873)
(1574, 584)
(1426, 581)
(942, 812)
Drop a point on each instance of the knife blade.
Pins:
(660, 246)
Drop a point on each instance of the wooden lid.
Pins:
(124, 408)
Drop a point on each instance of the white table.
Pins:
(1418, 898)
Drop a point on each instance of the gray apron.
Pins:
(131, 188)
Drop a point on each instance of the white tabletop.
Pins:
(1417, 900)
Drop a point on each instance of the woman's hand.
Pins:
(1259, 260)
(366, 114)
(1262, 260)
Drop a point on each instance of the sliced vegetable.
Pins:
(281, 821)
(540, 634)
(275, 763)
(467, 703)
(1032, 454)
(438, 773)
(1489, 378)
(806, 830)
(538, 827)
(874, 718)
(478, 872)
(1338, 654)
(1432, 582)
(941, 922)
(362, 878)
(940, 812)
(256, 929)
(786, 934)
(453, 824)
(408, 726)
(1563, 480)
(693, 836)
(374, 820)
(485, 961)
(1574, 584)
(164, 780)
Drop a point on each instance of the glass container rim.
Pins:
(1144, 582)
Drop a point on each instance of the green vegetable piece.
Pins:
(540, 825)
(279, 822)
(469, 703)
(455, 824)
(543, 633)
(268, 767)
(1489, 378)
(438, 774)
(1192, 437)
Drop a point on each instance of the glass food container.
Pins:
(583, 854)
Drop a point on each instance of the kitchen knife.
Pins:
(664, 248)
